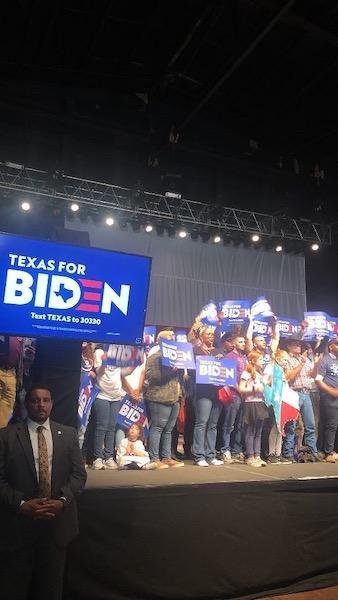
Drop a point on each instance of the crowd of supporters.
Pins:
(247, 423)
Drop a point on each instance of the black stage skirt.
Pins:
(254, 411)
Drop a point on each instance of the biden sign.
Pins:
(65, 291)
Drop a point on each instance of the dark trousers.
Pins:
(188, 430)
(34, 572)
(329, 413)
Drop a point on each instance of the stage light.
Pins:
(149, 228)
(255, 238)
(74, 207)
(182, 234)
(217, 239)
(279, 248)
(315, 247)
(109, 221)
(25, 206)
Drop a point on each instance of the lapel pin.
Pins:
(59, 432)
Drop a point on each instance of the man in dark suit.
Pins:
(41, 473)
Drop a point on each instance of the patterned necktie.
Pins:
(44, 479)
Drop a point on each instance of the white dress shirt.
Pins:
(33, 434)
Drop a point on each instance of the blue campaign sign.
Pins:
(319, 325)
(288, 327)
(216, 371)
(208, 314)
(65, 291)
(261, 308)
(87, 395)
(149, 337)
(131, 413)
(120, 355)
(234, 312)
(262, 327)
(181, 335)
(177, 354)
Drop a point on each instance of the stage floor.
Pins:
(190, 474)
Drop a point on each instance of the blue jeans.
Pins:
(329, 414)
(306, 411)
(233, 422)
(120, 434)
(207, 413)
(163, 418)
(105, 421)
(253, 439)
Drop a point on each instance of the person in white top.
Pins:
(113, 386)
(251, 387)
(131, 453)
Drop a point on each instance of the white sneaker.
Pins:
(150, 466)
(260, 461)
(215, 462)
(98, 464)
(202, 463)
(111, 464)
(227, 459)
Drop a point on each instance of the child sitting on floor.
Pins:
(131, 453)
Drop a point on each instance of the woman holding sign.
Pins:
(162, 395)
(207, 408)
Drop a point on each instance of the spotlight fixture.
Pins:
(182, 234)
(315, 247)
(149, 228)
(109, 221)
(255, 238)
(279, 248)
(74, 207)
(25, 206)
(217, 239)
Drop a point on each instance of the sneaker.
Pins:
(238, 458)
(330, 458)
(149, 466)
(253, 462)
(284, 461)
(335, 455)
(98, 465)
(261, 462)
(289, 459)
(202, 463)
(171, 462)
(227, 457)
(159, 464)
(110, 464)
(215, 462)
(273, 459)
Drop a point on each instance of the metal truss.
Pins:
(137, 204)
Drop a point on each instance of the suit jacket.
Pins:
(18, 481)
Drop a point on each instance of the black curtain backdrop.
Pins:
(57, 365)
(210, 542)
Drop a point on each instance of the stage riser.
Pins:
(210, 542)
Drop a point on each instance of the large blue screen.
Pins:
(59, 290)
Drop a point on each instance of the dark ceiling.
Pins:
(232, 101)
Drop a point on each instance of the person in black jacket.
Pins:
(41, 473)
